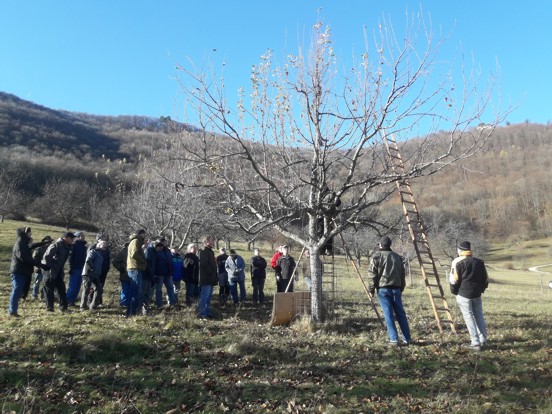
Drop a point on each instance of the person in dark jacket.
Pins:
(21, 268)
(119, 263)
(77, 259)
(106, 262)
(468, 280)
(387, 276)
(208, 277)
(148, 276)
(224, 287)
(190, 274)
(55, 258)
(178, 271)
(258, 276)
(285, 266)
(91, 273)
(163, 274)
(38, 254)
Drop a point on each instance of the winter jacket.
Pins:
(469, 275)
(22, 261)
(386, 270)
(235, 268)
(274, 260)
(151, 258)
(208, 270)
(285, 267)
(38, 254)
(93, 264)
(136, 259)
(258, 267)
(163, 262)
(78, 255)
(221, 262)
(191, 268)
(119, 263)
(177, 267)
(55, 257)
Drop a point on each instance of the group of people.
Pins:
(45, 260)
(468, 279)
(148, 266)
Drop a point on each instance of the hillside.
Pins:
(45, 131)
(504, 192)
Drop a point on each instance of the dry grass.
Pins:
(101, 362)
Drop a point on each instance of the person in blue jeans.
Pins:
(77, 259)
(387, 276)
(235, 268)
(468, 280)
(21, 268)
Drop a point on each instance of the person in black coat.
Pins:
(21, 268)
(54, 259)
(258, 276)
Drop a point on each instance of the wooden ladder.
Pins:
(418, 234)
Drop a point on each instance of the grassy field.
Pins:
(101, 362)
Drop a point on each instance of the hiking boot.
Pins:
(473, 347)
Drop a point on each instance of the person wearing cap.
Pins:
(235, 269)
(77, 259)
(224, 287)
(387, 275)
(54, 258)
(468, 280)
(21, 268)
(38, 254)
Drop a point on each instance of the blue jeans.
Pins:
(17, 289)
(205, 293)
(75, 281)
(472, 311)
(168, 282)
(390, 300)
(135, 292)
(125, 286)
(36, 287)
(234, 291)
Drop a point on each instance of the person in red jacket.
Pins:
(274, 262)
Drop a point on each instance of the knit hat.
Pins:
(78, 233)
(465, 245)
(385, 242)
(47, 239)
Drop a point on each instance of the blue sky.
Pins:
(111, 57)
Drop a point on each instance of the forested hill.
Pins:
(44, 131)
(504, 191)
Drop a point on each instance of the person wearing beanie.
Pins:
(21, 268)
(387, 275)
(468, 280)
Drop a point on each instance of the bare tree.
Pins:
(65, 201)
(11, 198)
(304, 143)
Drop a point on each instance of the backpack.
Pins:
(119, 262)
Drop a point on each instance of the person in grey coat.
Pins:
(91, 274)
